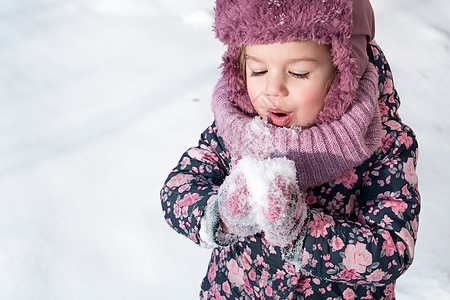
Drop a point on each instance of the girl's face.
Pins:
(287, 83)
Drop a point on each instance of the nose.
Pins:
(276, 87)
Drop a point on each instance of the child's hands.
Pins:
(234, 205)
(263, 195)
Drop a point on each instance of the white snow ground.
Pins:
(99, 99)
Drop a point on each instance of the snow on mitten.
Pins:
(283, 207)
(234, 205)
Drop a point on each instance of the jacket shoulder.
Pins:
(389, 100)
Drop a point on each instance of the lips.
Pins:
(278, 117)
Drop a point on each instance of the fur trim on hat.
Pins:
(249, 22)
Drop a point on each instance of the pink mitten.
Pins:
(234, 205)
(283, 209)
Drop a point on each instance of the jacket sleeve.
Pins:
(376, 244)
(193, 184)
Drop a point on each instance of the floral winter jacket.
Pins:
(362, 228)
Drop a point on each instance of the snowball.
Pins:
(260, 175)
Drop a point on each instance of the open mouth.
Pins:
(279, 118)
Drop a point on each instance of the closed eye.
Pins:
(258, 73)
(299, 76)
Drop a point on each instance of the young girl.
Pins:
(305, 184)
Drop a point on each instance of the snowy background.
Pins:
(99, 99)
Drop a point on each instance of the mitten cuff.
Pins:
(293, 253)
(211, 234)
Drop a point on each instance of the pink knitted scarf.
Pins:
(321, 153)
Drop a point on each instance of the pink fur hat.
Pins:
(348, 26)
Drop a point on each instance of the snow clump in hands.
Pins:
(263, 195)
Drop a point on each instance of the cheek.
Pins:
(318, 92)
(257, 97)
(314, 98)
(309, 103)
(252, 91)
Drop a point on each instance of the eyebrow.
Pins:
(292, 60)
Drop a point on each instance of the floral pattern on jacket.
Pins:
(362, 228)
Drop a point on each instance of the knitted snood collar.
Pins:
(321, 153)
